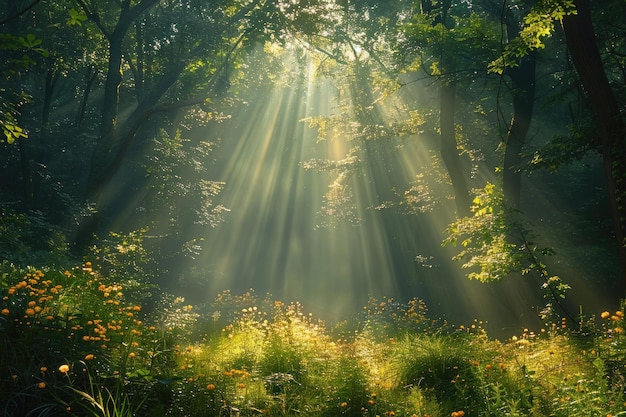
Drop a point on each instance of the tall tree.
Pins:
(445, 68)
(173, 65)
(155, 73)
(606, 109)
(522, 76)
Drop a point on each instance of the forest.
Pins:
(312, 207)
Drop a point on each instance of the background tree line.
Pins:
(96, 91)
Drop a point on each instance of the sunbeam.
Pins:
(275, 239)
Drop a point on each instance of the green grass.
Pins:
(72, 343)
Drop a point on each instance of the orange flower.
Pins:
(41, 385)
(132, 355)
(605, 314)
(344, 404)
(30, 312)
(64, 369)
(43, 369)
(210, 387)
(5, 312)
(89, 357)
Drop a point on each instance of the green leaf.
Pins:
(77, 17)
(12, 132)
(167, 380)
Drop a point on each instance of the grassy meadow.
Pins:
(79, 343)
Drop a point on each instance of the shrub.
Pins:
(442, 366)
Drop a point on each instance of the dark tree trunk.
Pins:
(583, 49)
(91, 76)
(449, 151)
(103, 152)
(51, 80)
(447, 107)
(26, 167)
(110, 101)
(523, 85)
(110, 162)
(107, 146)
(139, 67)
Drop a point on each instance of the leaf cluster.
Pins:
(484, 238)
(494, 241)
(539, 24)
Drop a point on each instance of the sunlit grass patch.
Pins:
(73, 343)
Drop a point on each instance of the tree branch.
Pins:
(19, 13)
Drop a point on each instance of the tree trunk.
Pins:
(449, 151)
(110, 102)
(583, 49)
(26, 167)
(91, 76)
(51, 80)
(139, 67)
(523, 83)
(102, 154)
(109, 162)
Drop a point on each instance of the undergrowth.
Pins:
(75, 343)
